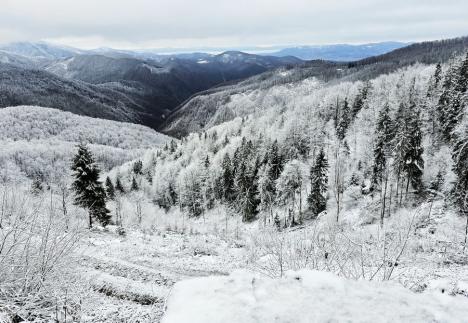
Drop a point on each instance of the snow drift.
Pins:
(305, 296)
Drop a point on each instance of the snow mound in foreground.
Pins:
(305, 296)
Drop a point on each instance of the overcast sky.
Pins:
(218, 23)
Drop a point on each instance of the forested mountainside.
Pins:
(25, 86)
(313, 146)
(224, 103)
(117, 87)
(37, 143)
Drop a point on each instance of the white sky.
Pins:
(130, 24)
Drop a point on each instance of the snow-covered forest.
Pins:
(301, 190)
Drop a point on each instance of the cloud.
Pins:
(187, 23)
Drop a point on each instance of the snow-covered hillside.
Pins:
(38, 142)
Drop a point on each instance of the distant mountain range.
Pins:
(339, 52)
(146, 87)
(116, 85)
(212, 107)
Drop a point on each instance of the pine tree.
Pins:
(89, 192)
(138, 167)
(246, 192)
(275, 160)
(452, 99)
(266, 189)
(360, 99)
(408, 146)
(118, 186)
(36, 186)
(134, 185)
(227, 180)
(110, 190)
(344, 121)
(383, 137)
(319, 185)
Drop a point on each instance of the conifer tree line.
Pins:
(286, 180)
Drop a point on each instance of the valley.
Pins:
(233, 186)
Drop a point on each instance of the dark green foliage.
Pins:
(89, 192)
(110, 190)
(319, 184)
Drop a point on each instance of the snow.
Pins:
(305, 296)
(203, 61)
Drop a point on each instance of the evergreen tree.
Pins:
(89, 192)
(246, 192)
(383, 138)
(110, 190)
(453, 99)
(360, 99)
(227, 180)
(460, 190)
(344, 121)
(266, 189)
(138, 167)
(134, 185)
(118, 186)
(36, 186)
(438, 74)
(408, 146)
(319, 185)
(275, 160)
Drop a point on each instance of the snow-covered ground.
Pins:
(129, 277)
(305, 296)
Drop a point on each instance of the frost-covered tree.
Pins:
(118, 186)
(246, 192)
(227, 181)
(408, 149)
(266, 190)
(319, 185)
(110, 189)
(289, 187)
(344, 120)
(89, 192)
(138, 167)
(134, 186)
(382, 145)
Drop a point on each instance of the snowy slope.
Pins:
(303, 297)
(39, 142)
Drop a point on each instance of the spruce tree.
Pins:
(118, 186)
(275, 160)
(344, 121)
(383, 137)
(89, 192)
(227, 180)
(110, 190)
(138, 167)
(319, 184)
(134, 185)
